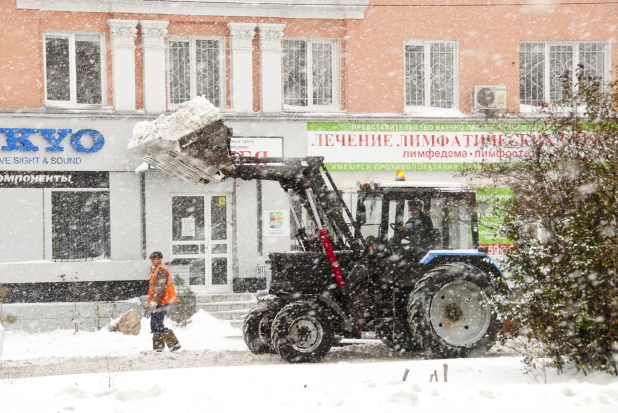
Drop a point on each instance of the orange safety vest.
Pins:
(169, 296)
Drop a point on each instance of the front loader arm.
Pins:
(298, 175)
(204, 155)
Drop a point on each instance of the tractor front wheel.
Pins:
(257, 331)
(302, 332)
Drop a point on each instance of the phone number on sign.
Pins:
(496, 249)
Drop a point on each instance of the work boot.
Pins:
(158, 342)
(171, 340)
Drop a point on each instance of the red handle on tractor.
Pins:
(334, 264)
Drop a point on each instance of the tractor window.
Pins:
(399, 213)
(296, 212)
(373, 216)
(451, 217)
(305, 221)
(436, 213)
(460, 228)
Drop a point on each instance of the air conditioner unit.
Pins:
(488, 97)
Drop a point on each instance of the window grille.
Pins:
(180, 72)
(80, 225)
(429, 76)
(196, 69)
(322, 67)
(546, 70)
(73, 69)
(314, 86)
(208, 70)
(415, 75)
(560, 68)
(442, 85)
(592, 57)
(532, 74)
(295, 72)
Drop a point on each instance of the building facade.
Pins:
(373, 86)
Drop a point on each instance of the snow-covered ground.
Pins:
(203, 332)
(356, 378)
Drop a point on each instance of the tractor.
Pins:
(358, 273)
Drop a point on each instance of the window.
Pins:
(73, 67)
(430, 74)
(196, 68)
(298, 211)
(450, 216)
(373, 217)
(546, 69)
(80, 225)
(310, 74)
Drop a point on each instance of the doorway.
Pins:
(201, 247)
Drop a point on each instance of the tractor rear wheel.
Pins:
(449, 312)
(302, 332)
(257, 331)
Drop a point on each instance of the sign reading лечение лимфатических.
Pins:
(421, 147)
(28, 147)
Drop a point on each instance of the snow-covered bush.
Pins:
(563, 224)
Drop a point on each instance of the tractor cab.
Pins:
(412, 218)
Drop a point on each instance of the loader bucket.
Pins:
(200, 156)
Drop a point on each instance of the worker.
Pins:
(161, 294)
(418, 230)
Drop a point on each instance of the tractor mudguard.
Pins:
(437, 257)
(269, 302)
(345, 322)
(480, 260)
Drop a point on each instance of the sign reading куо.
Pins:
(21, 139)
(28, 146)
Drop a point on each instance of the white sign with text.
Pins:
(259, 147)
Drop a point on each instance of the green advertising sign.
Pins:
(490, 218)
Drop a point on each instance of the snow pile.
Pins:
(206, 326)
(204, 332)
(186, 118)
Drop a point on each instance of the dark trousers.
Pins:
(156, 319)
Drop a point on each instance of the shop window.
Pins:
(196, 68)
(430, 74)
(547, 70)
(310, 74)
(73, 67)
(80, 225)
